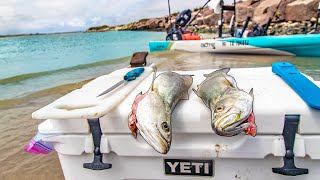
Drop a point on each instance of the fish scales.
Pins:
(230, 106)
(171, 86)
(151, 112)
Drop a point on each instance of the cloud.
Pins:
(32, 16)
(76, 23)
(95, 20)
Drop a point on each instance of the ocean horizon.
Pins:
(34, 63)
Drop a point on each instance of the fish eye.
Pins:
(219, 109)
(165, 127)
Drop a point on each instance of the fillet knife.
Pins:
(130, 76)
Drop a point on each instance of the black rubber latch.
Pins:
(289, 134)
(97, 163)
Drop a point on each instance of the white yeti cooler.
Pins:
(196, 151)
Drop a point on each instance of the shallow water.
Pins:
(31, 54)
(33, 63)
(17, 127)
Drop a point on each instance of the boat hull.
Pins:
(289, 45)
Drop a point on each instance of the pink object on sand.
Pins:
(37, 146)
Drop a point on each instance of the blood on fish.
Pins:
(132, 120)
(251, 130)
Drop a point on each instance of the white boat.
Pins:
(287, 45)
(260, 44)
(195, 149)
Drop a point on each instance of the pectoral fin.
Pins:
(185, 96)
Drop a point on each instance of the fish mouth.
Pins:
(155, 139)
(224, 127)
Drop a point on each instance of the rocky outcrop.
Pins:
(264, 11)
(155, 24)
(291, 17)
(243, 10)
(289, 10)
(301, 10)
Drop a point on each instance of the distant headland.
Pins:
(38, 34)
(293, 16)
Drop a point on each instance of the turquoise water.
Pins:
(33, 63)
(30, 54)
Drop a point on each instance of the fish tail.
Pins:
(185, 96)
(219, 71)
(195, 91)
(188, 79)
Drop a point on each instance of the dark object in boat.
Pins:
(245, 25)
(139, 59)
(183, 18)
(176, 32)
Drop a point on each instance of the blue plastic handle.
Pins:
(133, 74)
(305, 88)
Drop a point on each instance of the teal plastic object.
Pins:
(159, 45)
(305, 88)
(299, 45)
(133, 74)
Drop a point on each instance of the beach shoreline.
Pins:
(17, 128)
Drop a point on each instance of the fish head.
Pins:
(157, 134)
(153, 122)
(230, 112)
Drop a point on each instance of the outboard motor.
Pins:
(183, 18)
(176, 33)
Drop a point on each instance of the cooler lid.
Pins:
(84, 103)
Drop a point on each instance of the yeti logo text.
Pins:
(208, 45)
(189, 167)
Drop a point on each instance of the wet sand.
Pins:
(17, 127)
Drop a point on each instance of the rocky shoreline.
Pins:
(293, 17)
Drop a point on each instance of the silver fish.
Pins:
(151, 112)
(231, 108)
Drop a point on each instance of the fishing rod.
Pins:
(316, 28)
(169, 12)
(197, 14)
(233, 20)
(245, 26)
(270, 19)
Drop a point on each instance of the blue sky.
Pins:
(43, 16)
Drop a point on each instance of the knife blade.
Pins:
(129, 76)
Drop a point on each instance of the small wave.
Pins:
(22, 77)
